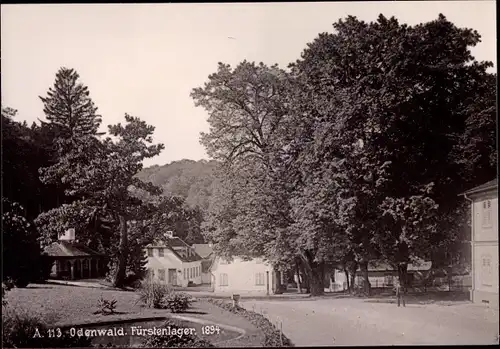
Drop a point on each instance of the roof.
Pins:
(383, 266)
(194, 257)
(169, 242)
(174, 244)
(204, 250)
(215, 259)
(70, 249)
(491, 185)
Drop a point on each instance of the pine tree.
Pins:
(68, 105)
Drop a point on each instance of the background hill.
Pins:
(189, 179)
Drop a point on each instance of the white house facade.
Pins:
(484, 242)
(242, 277)
(174, 262)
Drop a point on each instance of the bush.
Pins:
(20, 331)
(272, 336)
(106, 307)
(174, 341)
(6, 286)
(177, 302)
(21, 249)
(152, 293)
(133, 279)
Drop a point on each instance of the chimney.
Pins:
(169, 234)
(69, 235)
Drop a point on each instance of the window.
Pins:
(223, 261)
(223, 279)
(185, 274)
(150, 252)
(161, 274)
(259, 279)
(486, 271)
(151, 272)
(388, 280)
(161, 252)
(486, 213)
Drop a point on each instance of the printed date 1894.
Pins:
(210, 330)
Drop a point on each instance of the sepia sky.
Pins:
(144, 59)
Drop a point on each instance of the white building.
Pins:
(242, 277)
(173, 261)
(484, 242)
(206, 252)
(380, 274)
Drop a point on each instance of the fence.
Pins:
(456, 283)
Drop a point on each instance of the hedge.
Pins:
(271, 333)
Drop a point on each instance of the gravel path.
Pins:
(358, 322)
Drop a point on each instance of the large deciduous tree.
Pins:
(395, 104)
(248, 214)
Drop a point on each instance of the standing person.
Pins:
(399, 293)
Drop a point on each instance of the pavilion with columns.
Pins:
(73, 260)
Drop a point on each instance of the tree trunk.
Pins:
(366, 280)
(304, 279)
(402, 272)
(278, 287)
(123, 254)
(315, 272)
(297, 274)
(346, 272)
(352, 268)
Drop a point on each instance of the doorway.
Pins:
(172, 277)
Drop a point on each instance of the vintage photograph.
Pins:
(267, 174)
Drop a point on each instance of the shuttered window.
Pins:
(161, 274)
(486, 213)
(259, 279)
(223, 280)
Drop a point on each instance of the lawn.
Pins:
(61, 305)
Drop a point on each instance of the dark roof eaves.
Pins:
(488, 186)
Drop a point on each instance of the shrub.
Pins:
(272, 337)
(6, 286)
(133, 279)
(106, 307)
(21, 249)
(177, 302)
(174, 341)
(20, 331)
(152, 293)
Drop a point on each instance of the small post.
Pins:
(236, 300)
(281, 332)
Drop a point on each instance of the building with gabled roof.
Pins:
(173, 261)
(484, 242)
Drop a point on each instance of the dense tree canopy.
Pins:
(360, 152)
